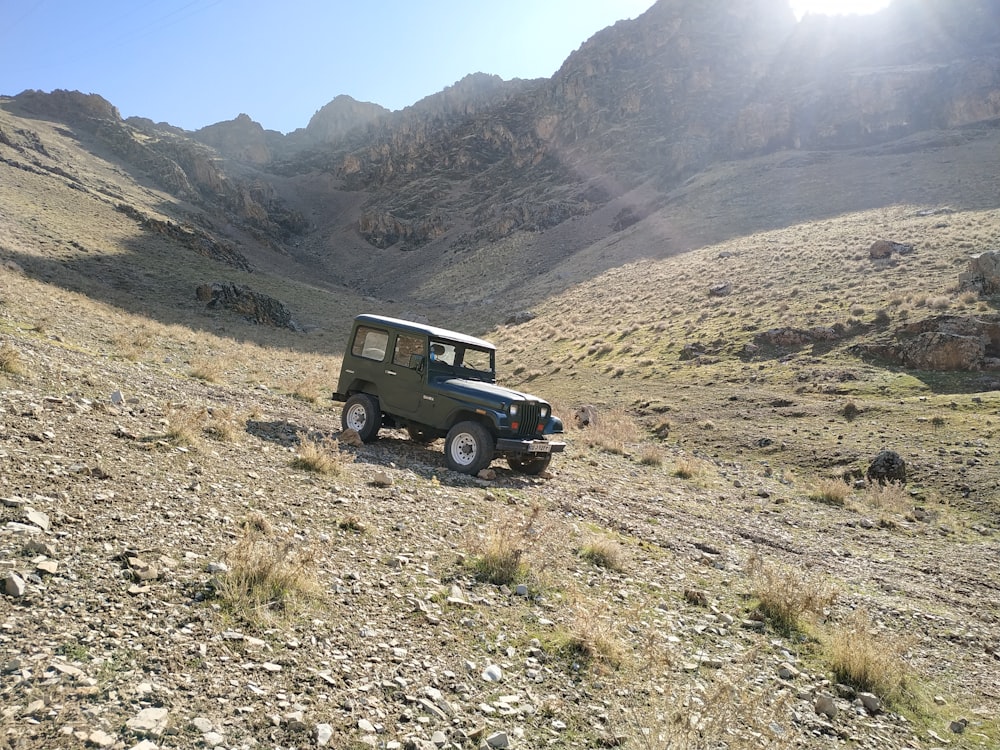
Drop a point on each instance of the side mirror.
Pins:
(417, 362)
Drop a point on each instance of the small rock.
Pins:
(498, 740)
(487, 475)
(381, 479)
(324, 733)
(351, 438)
(366, 726)
(439, 738)
(202, 724)
(151, 721)
(493, 673)
(99, 738)
(117, 398)
(14, 585)
(826, 706)
(37, 517)
(787, 672)
(871, 702)
(213, 739)
(957, 727)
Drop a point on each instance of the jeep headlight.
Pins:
(545, 411)
(513, 410)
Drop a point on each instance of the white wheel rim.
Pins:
(357, 417)
(464, 449)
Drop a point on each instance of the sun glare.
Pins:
(837, 7)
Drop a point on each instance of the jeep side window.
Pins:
(442, 353)
(370, 343)
(406, 347)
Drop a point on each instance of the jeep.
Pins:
(437, 383)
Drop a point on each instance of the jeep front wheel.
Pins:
(468, 449)
(361, 414)
(530, 464)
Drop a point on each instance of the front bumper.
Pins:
(529, 447)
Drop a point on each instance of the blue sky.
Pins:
(194, 63)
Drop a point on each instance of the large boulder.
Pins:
(887, 466)
(982, 275)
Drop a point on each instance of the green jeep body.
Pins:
(437, 383)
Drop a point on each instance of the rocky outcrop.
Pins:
(382, 229)
(944, 342)
(339, 117)
(241, 139)
(983, 274)
(254, 306)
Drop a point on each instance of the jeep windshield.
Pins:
(463, 360)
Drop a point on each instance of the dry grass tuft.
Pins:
(500, 557)
(211, 370)
(724, 711)
(785, 596)
(650, 455)
(867, 660)
(10, 360)
(321, 456)
(185, 425)
(614, 431)
(308, 389)
(688, 468)
(270, 574)
(223, 425)
(604, 553)
(592, 638)
(831, 492)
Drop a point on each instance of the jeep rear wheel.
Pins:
(530, 464)
(361, 414)
(468, 449)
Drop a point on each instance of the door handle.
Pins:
(390, 372)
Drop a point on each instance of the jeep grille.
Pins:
(528, 419)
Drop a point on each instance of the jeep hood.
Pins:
(485, 393)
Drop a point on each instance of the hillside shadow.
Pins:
(149, 278)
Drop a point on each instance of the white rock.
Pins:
(14, 585)
(99, 738)
(324, 733)
(202, 724)
(493, 673)
(38, 518)
(149, 721)
(871, 702)
(213, 739)
(498, 740)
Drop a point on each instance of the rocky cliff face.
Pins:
(241, 139)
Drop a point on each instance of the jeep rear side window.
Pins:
(370, 343)
(406, 347)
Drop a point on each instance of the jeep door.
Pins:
(402, 386)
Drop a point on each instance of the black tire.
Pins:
(421, 435)
(361, 414)
(469, 447)
(530, 464)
